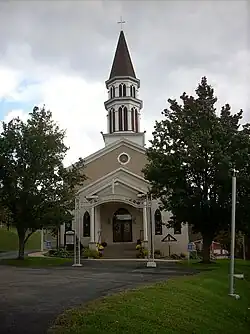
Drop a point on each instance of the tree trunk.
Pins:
(21, 239)
(207, 241)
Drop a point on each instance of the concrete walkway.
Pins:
(13, 254)
(32, 298)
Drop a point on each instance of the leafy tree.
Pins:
(35, 187)
(192, 153)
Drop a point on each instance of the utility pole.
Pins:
(231, 275)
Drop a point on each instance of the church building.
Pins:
(113, 205)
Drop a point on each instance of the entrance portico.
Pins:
(115, 220)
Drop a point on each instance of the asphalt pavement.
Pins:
(31, 299)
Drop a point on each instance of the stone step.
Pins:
(120, 251)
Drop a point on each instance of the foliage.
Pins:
(141, 251)
(35, 187)
(91, 253)
(224, 238)
(190, 163)
(61, 252)
(201, 302)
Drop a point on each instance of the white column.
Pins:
(97, 223)
(145, 222)
(116, 120)
(92, 225)
(129, 120)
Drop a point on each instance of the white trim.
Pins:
(121, 169)
(127, 185)
(112, 147)
(116, 198)
(123, 163)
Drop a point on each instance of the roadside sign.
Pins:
(48, 244)
(169, 238)
(191, 247)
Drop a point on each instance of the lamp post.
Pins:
(151, 261)
(231, 275)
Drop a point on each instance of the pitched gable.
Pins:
(107, 161)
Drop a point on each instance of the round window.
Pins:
(123, 158)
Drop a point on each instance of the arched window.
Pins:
(120, 118)
(120, 90)
(86, 224)
(124, 90)
(158, 222)
(112, 92)
(113, 121)
(177, 228)
(132, 91)
(125, 119)
(136, 120)
(132, 119)
(110, 121)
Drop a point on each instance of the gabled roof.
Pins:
(115, 175)
(112, 147)
(122, 64)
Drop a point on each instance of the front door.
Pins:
(122, 226)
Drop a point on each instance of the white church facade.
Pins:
(113, 205)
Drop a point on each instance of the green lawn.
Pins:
(36, 262)
(193, 304)
(9, 240)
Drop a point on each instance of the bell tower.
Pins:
(123, 104)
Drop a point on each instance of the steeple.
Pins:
(122, 64)
(123, 105)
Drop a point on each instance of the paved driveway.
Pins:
(30, 299)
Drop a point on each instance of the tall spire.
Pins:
(122, 64)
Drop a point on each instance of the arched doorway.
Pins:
(122, 226)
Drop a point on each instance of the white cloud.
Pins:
(9, 80)
(76, 105)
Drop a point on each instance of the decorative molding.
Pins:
(116, 171)
(119, 157)
(112, 147)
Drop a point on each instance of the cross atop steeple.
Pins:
(121, 22)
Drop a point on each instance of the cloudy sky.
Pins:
(60, 53)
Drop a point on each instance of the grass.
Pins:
(9, 240)
(191, 304)
(36, 262)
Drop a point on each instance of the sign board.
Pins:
(47, 244)
(69, 238)
(191, 247)
(169, 238)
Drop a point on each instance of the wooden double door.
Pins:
(122, 226)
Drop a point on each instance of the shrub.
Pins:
(183, 256)
(157, 252)
(61, 252)
(175, 257)
(91, 253)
